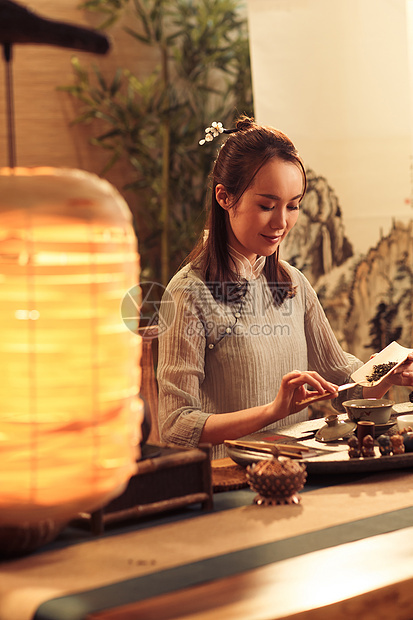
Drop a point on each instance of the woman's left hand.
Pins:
(402, 375)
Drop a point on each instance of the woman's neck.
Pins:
(244, 267)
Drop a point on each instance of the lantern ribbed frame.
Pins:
(69, 408)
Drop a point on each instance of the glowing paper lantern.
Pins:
(69, 412)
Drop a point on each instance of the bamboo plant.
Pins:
(155, 123)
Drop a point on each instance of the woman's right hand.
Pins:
(293, 392)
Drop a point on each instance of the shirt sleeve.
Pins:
(325, 355)
(181, 365)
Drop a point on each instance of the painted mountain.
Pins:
(317, 243)
(368, 298)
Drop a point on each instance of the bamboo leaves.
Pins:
(154, 123)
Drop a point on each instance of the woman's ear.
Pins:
(222, 197)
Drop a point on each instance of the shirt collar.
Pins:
(243, 266)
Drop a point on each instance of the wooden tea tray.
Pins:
(333, 456)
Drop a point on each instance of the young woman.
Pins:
(242, 333)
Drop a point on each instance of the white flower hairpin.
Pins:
(212, 132)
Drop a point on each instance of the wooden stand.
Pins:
(174, 478)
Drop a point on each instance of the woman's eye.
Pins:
(264, 208)
(293, 207)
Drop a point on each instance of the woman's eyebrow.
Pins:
(275, 197)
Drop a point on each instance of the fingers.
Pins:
(407, 377)
(316, 381)
(403, 374)
(293, 394)
(407, 364)
(313, 397)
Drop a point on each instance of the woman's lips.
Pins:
(272, 238)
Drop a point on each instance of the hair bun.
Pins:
(244, 123)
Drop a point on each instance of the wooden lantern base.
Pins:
(167, 478)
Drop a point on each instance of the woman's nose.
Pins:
(278, 219)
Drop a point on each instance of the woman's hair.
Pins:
(247, 149)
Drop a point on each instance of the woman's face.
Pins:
(267, 210)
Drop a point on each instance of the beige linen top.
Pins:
(216, 357)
